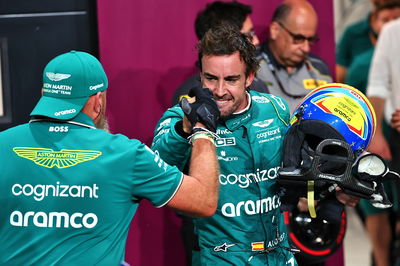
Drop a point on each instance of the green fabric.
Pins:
(357, 73)
(354, 41)
(249, 152)
(68, 192)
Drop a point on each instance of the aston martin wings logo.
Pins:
(264, 123)
(61, 159)
(57, 76)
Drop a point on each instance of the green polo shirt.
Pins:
(68, 192)
(357, 73)
(354, 41)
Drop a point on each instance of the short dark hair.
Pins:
(388, 4)
(281, 12)
(218, 12)
(226, 39)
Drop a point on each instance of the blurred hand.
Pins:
(346, 199)
(302, 205)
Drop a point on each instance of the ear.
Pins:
(274, 30)
(249, 79)
(98, 102)
(93, 106)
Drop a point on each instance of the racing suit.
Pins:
(248, 220)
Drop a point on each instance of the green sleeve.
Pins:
(153, 179)
(172, 148)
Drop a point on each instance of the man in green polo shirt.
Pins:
(69, 190)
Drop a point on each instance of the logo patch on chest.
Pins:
(224, 247)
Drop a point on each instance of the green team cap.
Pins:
(68, 82)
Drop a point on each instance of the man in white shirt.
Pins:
(384, 93)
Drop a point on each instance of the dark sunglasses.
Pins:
(300, 38)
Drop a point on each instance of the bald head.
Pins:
(293, 31)
(298, 12)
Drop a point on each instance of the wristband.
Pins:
(201, 135)
(204, 130)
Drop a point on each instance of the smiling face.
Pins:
(225, 76)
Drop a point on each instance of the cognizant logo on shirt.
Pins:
(244, 180)
(57, 219)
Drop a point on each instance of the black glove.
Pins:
(204, 109)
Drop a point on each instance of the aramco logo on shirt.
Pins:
(250, 207)
(61, 159)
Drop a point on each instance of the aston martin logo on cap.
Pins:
(57, 76)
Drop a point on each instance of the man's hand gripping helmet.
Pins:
(331, 127)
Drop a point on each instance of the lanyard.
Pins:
(276, 77)
(60, 121)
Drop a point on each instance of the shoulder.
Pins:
(392, 29)
(13, 131)
(173, 112)
(258, 85)
(265, 101)
(357, 28)
(393, 25)
(319, 64)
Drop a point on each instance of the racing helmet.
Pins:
(344, 109)
(329, 129)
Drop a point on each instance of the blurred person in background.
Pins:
(383, 90)
(286, 66)
(355, 39)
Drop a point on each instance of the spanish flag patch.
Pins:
(257, 246)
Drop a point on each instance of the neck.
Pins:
(247, 105)
(289, 69)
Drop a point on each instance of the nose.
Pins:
(218, 89)
(305, 46)
(255, 41)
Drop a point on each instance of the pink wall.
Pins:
(148, 48)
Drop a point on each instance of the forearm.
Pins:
(198, 193)
(205, 169)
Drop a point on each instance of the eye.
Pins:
(210, 77)
(299, 38)
(232, 80)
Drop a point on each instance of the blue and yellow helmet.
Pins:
(342, 107)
